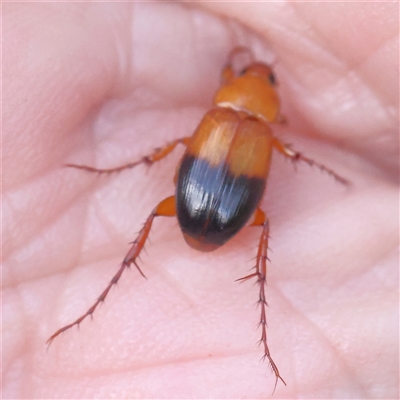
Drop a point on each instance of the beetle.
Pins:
(222, 175)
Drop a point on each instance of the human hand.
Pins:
(102, 84)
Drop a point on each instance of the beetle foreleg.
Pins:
(296, 156)
(165, 208)
(157, 155)
(260, 219)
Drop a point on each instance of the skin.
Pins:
(102, 84)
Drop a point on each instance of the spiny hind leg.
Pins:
(260, 219)
(165, 208)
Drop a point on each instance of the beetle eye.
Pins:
(243, 72)
(272, 79)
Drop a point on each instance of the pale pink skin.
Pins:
(103, 84)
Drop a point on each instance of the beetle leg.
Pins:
(296, 156)
(157, 155)
(260, 219)
(165, 208)
(228, 73)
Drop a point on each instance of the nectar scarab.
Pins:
(222, 175)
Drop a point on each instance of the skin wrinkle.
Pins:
(347, 68)
(39, 230)
(326, 342)
(317, 50)
(156, 366)
(321, 45)
(356, 70)
(384, 104)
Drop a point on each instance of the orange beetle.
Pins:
(222, 175)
